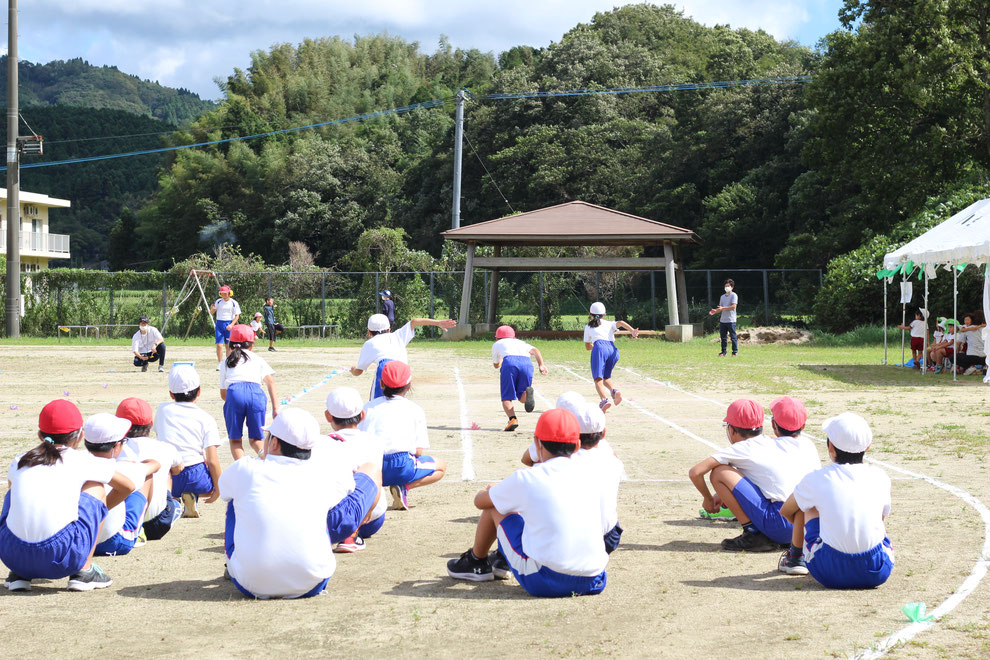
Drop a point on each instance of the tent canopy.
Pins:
(962, 239)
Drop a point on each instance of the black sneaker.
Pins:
(469, 567)
(94, 578)
(530, 400)
(500, 567)
(15, 582)
(144, 367)
(271, 349)
(746, 542)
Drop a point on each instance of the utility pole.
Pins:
(13, 306)
(458, 149)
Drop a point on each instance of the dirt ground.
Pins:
(671, 592)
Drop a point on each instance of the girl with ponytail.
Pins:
(599, 338)
(241, 376)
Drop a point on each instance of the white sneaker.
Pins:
(218, 366)
(969, 371)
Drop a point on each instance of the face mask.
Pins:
(144, 329)
(728, 289)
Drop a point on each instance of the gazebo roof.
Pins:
(572, 223)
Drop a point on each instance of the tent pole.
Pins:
(924, 341)
(903, 320)
(885, 320)
(955, 315)
(986, 314)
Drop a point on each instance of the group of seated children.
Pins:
(828, 521)
(555, 521)
(963, 342)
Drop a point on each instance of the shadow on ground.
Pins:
(447, 587)
(770, 581)
(217, 589)
(885, 376)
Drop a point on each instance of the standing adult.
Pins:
(271, 327)
(148, 345)
(228, 311)
(727, 321)
(388, 306)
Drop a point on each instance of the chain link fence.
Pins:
(325, 303)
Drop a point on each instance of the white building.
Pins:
(38, 245)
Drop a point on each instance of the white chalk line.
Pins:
(969, 585)
(467, 446)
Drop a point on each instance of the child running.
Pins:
(194, 435)
(401, 425)
(55, 505)
(842, 508)
(755, 474)
(599, 338)
(241, 376)
(511, 357)
(228, 311)
(383, 345)
(546, 519)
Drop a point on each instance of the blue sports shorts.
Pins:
(604, 355)
(515, 375)
(245, 402)
(221, 332)
(194, 479)
(840, 570)
(346, 516)
(403, 468)
(123, 541)
(611, 538)
(762, 512)
(376, 387)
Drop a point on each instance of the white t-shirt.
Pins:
(114, 522)
(388, 345)
(145, 342)
(604, 471)
(45, 498)
(400, 423)
(605, 330)
(281, 544)
(918, 328)
(937, 336)
(362, 447)
(142, 449)
(188, 428)
(727, 300)
(563, 518)
(252, 370)
(227, 309)
(256, 325)
(511, 346)
(974, 342)
(852, 501)
(774, 465)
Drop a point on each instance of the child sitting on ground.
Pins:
(755, 474)
(545, 518)
(401, 425)
(194, 434)
(842, 508)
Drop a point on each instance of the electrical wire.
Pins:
(488, 173)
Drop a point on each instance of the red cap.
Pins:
(558, 425)
(745, 414)
(60, 416)
(505, 332)
(396, 374)
(135, 410)
(225, 289)
(789, 413)
(242, 333)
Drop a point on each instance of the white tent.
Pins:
(963, 239)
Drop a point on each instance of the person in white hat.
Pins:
(105, 436)
(383, 345)
(362, 513)
(275, 536)
(842, 508)
(258, 325)
(194, 434)
(599, 338)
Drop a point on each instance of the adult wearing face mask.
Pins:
(148, 345)
(727, 321)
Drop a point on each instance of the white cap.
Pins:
(344, 403)
(296, 427)
(182, 378)
(849, 432)
(590, 418)
(598, 308)
(378, 322)
(103, 428)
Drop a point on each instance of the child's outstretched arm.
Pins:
(697, 476)
(213, 464)
(626, 326)
(443, 324)
(539, 360)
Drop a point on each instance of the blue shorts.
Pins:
(840, 570)
(123, 541)
(762, 512)
(221, 332)
(346, 516)
(371, 527)
(604, 355)
(228, 547)
(515, 376)
(194, 479)
(611, 538)
(160, 525)
(376, 387)
(404, 468)
(61, 555)
(536, 579)
(245, 402)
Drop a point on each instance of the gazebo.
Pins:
(576, 224)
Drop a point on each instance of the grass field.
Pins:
(671, 592)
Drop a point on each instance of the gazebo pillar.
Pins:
(468, 281)
(672, 310)
(682, 297)
(493, 292)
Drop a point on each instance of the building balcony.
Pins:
(40, 244)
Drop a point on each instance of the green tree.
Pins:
(121, 250)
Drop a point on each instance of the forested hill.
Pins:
(75, 82)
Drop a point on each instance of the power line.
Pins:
(488, 173)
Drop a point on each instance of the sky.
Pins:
(189, 43)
